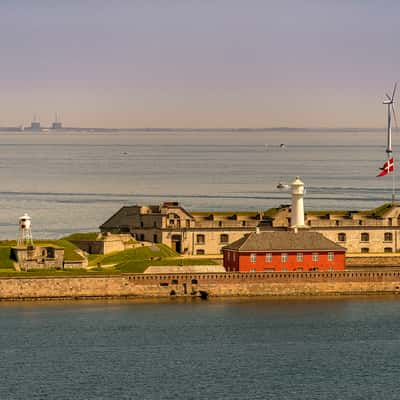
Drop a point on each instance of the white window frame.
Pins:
(253, 258)
(315, 257)
(284, 257)
(300, 257)
(331, 256)
(268, 257)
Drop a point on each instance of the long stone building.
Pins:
(184, 231)
(188, 232)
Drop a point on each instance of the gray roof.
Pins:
(284, 240)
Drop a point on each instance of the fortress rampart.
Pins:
(212, 284)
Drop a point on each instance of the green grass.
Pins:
(380, 211)
(138, 259)
(271, 212)
(131, 261)
(69, 248)
(5, 260)
(53, 272)
(5, 249)
(139, 266)
(140, 253)
(82, 236)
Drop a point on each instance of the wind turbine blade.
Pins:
(388, 97)
(394, 91)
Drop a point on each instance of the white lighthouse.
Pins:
(297, 217)
(25, 233)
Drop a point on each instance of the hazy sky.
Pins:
(205, 63)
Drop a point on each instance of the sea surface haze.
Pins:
(74, 181)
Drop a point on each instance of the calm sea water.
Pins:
(72, 182)
(230, 349)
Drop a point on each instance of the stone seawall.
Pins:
(224, 284)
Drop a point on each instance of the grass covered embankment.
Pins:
(7, 264)
(138, 259)
(128, 261)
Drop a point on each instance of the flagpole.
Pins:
(393, 186)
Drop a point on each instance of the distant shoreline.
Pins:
(242, 129)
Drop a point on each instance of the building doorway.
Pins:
(177, 243)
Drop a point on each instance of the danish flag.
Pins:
(387, 167)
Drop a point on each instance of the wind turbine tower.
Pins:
(390, 111)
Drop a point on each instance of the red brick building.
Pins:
(283, 251)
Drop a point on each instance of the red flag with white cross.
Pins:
(387, 167)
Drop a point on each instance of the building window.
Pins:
(364, 250)
(388, 250)
(243, 223)
(155, 224)
(331, 256)
(188, 223)
(284, 257)
(200, 252)
(224, 238)
(253, 270)
(200, 239)
(388, 237)
(315, 256)
(299, 257)
(155, 239)
(337, 222)
(268, 257)
(141, 224)
(253, 257)
(365, 237)
(341, 237)
(219, 223)
(171, 222)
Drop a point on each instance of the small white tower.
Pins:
(297, 217)
(25, 233)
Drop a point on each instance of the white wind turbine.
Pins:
(390, 111)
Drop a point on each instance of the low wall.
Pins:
(372, 261)
(223, 284)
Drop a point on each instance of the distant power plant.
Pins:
(36, 126)
(56, 124)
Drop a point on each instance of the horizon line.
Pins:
(196, 129)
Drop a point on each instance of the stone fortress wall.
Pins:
(213, 284)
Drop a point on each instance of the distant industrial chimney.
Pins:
(297, 217)
(35, 124)
(56, 124)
